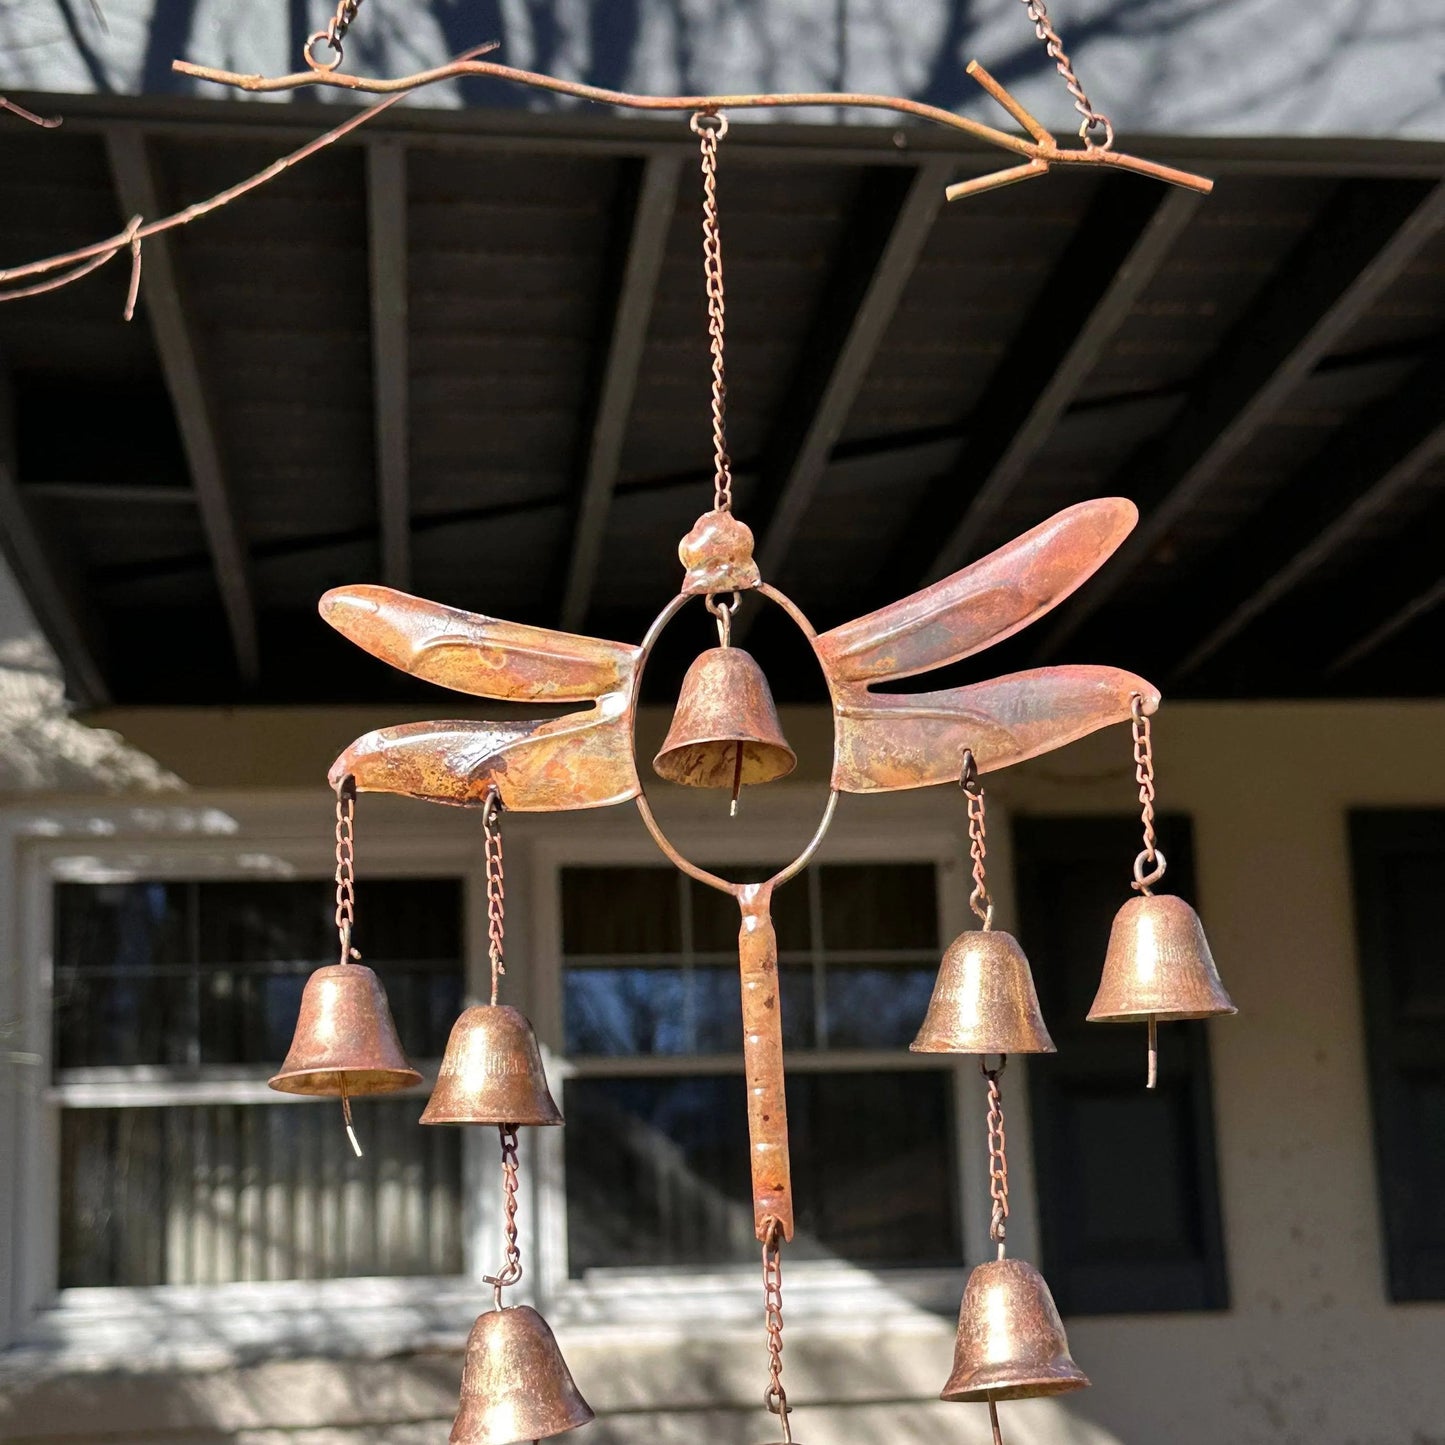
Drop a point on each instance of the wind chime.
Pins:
(725, 734)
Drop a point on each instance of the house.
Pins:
(463, 352)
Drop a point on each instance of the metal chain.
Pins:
(997, 1157)
(511, 1270)
(1151, 857)
(346, 867)
(496, 890)
(978, 900)
(1093, 119)
(775, 1397)
(336, 29)
(346, 912)
(710, 127)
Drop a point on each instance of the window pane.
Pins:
(616, 1012)
(186, 975)
(876, 1006)
(621, 910)
(872, 906)
(619, 1011)
(209, 1194)
(716, 917)
(662, 1165)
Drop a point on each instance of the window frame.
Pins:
(892, 828)
(221, 839)
(215, 835)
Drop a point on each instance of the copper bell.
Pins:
(491, 1073)
(725, 732)
(515, 1383)
(345, 1041)
(984, 1001)
(1011, 1342)
(1158, 965)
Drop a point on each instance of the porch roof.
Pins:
(464, 353)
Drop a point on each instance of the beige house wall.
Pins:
(1310, 1353)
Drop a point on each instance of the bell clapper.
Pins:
(993, 1420)
(737, 779)
(346, 1116)
(1153, 1079)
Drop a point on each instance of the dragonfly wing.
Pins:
(484, 656)
(581, 760)
(985, 602)
(891, 741)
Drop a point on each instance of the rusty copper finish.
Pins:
(725, 731)
(763, 1062)
(886, 741)
(1011, 1343)
(718, 556)
(345, 1041)
(1159, 965)
(984, 1001)
(882, 741)
(579, 760)
(1041, 150)
(515, 1383)
(491, 1073)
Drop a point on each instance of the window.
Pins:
(1399, 866)
(1128, 1193)
(656, 1154)
(173, 1000)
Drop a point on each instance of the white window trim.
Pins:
(907, 828)
(289, 834)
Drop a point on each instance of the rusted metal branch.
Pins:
(85, 259)
(44, 122)
(1041, 150)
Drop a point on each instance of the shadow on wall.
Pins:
(1162, 66)
(42, 748)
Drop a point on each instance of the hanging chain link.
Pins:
(346, 912)
(1151, 856)
(496, 890)
(1094, 120)
(336, 29)
(997, 1157)
(710, 127)
(511, 1270)
(775, 1397)
(978, 900)
(346, 867)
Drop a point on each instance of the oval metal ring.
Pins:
(644, 808)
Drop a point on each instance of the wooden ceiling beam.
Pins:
(1363, 468)
(1360, 245)
(186, 380)
(386, 237)
(859, 302)
(1415, 597)
(636, 290)
(1098, 283)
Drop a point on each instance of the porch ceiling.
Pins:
(465, 355)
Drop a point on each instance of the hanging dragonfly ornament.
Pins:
(725, 734)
